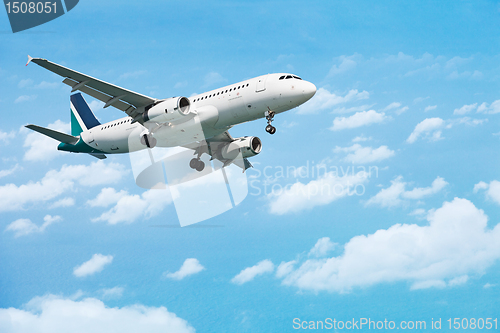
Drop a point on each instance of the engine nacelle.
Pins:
(248, 146)
(169, 110)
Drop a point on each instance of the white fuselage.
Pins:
(216, 111)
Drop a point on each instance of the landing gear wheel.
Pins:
(269, 116)
(200, 166)
(193, 163)
(270, 129)
(197, 164)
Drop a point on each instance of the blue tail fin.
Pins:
(82, 117)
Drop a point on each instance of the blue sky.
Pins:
(408, 90)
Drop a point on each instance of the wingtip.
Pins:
(29, 59)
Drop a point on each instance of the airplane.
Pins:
(175, 121)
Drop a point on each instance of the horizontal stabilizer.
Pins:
(61, 137)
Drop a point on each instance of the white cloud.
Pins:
(322, 247)
(213, 78)
(323, 99)
(94, 265)
(480, 186)
(362, 155)
(5, 173)
(477, 75)
(467, 121)
(358, 119)
(41, 147)
(429, 127)
(181, 84)
(456, 62)
(189, 267)
(25, 83)
(5, 137)
(492, 190)
(455, 245)
(249, 273)
(418, 212)
(47, 85)
(132, 75)
(361, 139)
(55, 183)
(352, 109)
(23, 227)
(489, 108)
(420, 192)
(430, 108)
(65, 202)
(24, 98)
(420, 99)
(56, 314)
(391, 106)
(129, 207)
(489, 285)
(465, 109)
(396, 105)
(396, 193)
(430, 70)
(112, 293)
(403, 109)
(96, 105)
(285, 268)
(107, 197)
(318, 192)
(345, 63)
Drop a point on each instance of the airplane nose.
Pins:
(308, 90)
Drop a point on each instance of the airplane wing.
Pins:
(130, 102)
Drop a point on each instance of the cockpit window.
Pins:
(282, 77)
(288, 76)
(296, 77)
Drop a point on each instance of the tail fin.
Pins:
(82, 117)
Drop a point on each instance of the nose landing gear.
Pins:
(270, 117)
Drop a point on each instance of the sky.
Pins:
(377, 199)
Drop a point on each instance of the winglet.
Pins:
(29, 59)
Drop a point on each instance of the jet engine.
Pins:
(169, 110)
(248, 146)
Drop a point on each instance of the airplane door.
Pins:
(261, 83)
